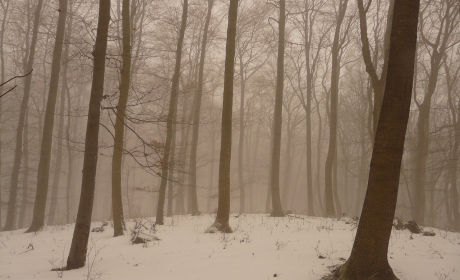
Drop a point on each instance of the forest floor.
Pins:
(261, 247)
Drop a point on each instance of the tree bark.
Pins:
(223, 207)
(78, 248)
(277, 210)
(368, 259)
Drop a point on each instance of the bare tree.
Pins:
(277, 210)
(223, 207)
(78, 249)
(369, 256)
(117, 204)
(9, 224)
(335, 75)
(171, 118)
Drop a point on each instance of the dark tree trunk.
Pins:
(38, 220)
(171, 119)
(369, 258)
(223, 207)
(9, 224)
(25, 183)
(277, 210)
(196, 112)
(332, 150)
(117, 203)
(78, 248)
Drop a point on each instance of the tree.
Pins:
(378, 83)
(38, 220)
(171, 118)
(117, 204)
(9, 224)
(335, 76)
(196, 113)
(78, 248)
(446, 18)
(368, 259)
(223, 206)
(277, 210)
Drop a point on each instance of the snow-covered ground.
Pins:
(260, 248)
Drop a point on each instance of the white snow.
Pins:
(259, 248)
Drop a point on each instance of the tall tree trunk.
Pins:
(117, 203)
(171, 118)
(241, 136)
(335, 76)
(38, 220)
(25, 183)
(277, 210)
(196, 112)
(9, 224)
(57, 171)
(65, 88)
(223, 207)
(369, 256)
(78, 248)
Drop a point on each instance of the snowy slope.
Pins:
(260, 248)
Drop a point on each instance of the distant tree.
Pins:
(277, 210)
(335, 76)
(369, 256)
(78, 248)
(197, 108)
(223, 206)
(9, 224)
(171, 118)
(38, 220)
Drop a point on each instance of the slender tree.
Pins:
(197, 108)
(368, 259)
(9, 224)
(78, 248)
(117, 204)
(277, 210)
(38, 220)
(335, 74)
(171, 118)
(223, 206)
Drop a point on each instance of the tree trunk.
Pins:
(369, 258)
(277, 210)
(25, 183)
(78, 249)
(57, 171)
(38, 220)
(196, 112)
(117, 202)
(9, 224)
(332, 150)
(241, 137)
(171, 118)
(223, 207)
